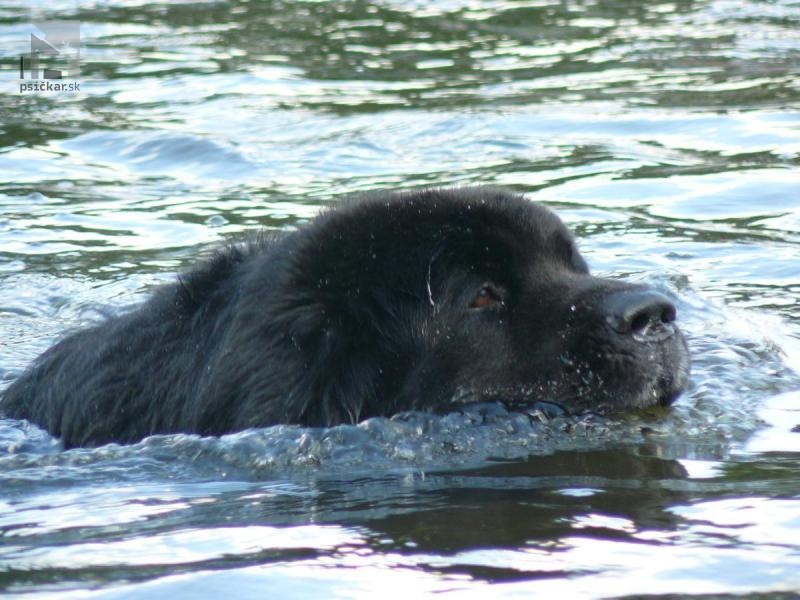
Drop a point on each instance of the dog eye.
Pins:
(487, 296)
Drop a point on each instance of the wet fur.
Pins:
(363, 311)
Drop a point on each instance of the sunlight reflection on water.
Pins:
(667, 137)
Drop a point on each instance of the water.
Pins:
(666, 134)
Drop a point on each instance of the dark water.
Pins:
(666, 134)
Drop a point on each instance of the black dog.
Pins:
(424, 300)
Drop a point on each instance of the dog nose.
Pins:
(639, 312)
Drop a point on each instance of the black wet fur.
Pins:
(420, 300)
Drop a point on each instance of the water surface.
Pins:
(667, 135)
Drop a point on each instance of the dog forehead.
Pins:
(473, 227)
(413, 239)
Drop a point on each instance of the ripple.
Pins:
(153, 152)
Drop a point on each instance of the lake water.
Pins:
(667, 134)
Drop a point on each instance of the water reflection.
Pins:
(667, 136)
(533, 502)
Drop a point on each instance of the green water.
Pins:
(667, 135)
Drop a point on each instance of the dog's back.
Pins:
(136, 374)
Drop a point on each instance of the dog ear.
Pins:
(337, 370)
